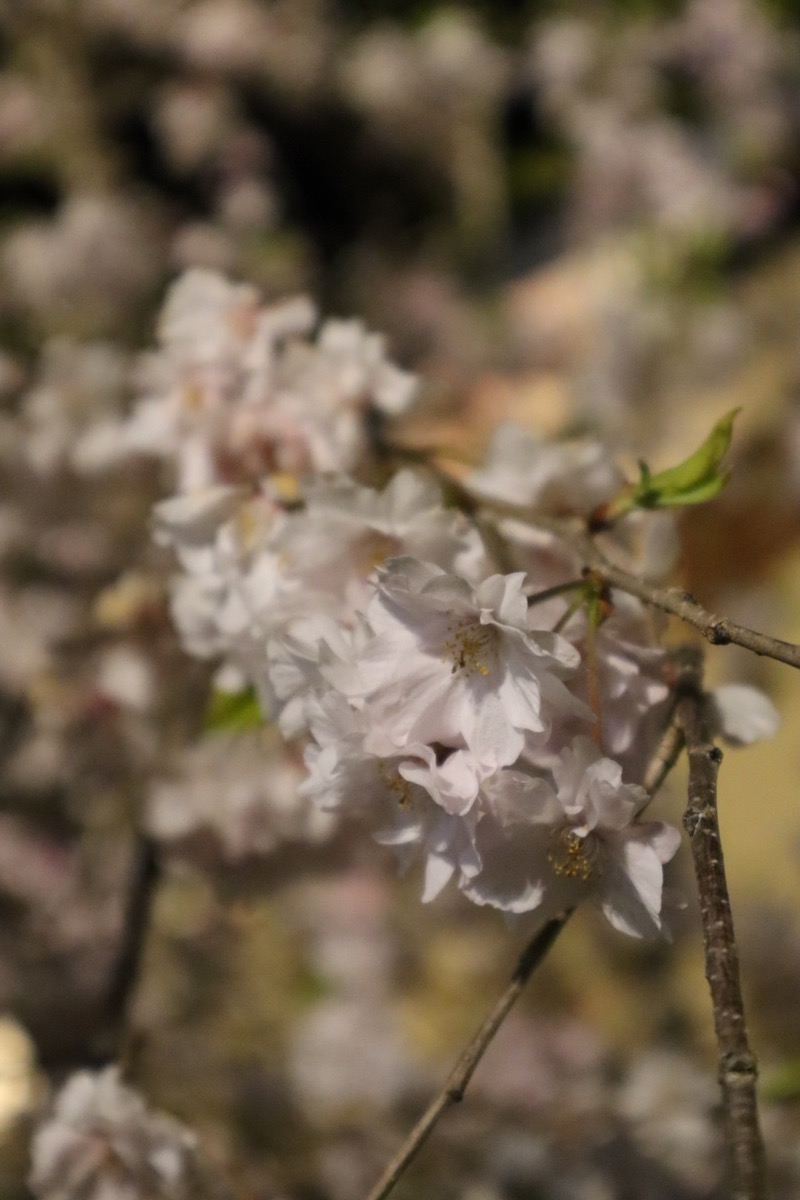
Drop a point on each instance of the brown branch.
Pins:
(737, 1066)
(118, 1036)
(458, 1079)
(664, 757)
(719, 631)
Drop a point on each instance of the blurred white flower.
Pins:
(671, 1105)
(237, 390)
(126, 676)
(72, 414)
(560, 478)
(243, 789)
(745, 715)
(102, 1141)
(87, 267)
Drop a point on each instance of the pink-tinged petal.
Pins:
(459, 775)
(495, 740)
(613, 808)
(518, 799)
(502, 595)
(665, 839)
(403, 835)
(515, 875)
(631, 894)
(511, 892)
(745, 714)
(194, 518)
(453, 785)
(438, 873)
(643, 867)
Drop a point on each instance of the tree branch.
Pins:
(125, 976)
(737, 1066)
(458, 1079)
(717, 630)
(664, 757)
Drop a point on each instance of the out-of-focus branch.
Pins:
(126, 972)
(665, 755)
(458, 1079)
(737, 1065)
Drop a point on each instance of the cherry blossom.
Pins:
(548, 849)
(243, 789)
(102, 1140)
(413, 803)
(563, 478)
(459, 665)
(237, 389)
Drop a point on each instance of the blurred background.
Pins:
(581, 216)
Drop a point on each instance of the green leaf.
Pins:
(701, 466)
(233, 712)
(697, 495)
(698, 478)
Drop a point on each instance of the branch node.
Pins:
(691, 819)
(738, 1069)
(717, 634)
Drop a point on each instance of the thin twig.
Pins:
(125, 976)
(664, 757)
(550, 593)
(719, 631)
(458, 1079)
(737, 1066)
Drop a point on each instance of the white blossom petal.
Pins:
(745, 714)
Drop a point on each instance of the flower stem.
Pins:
(559, 589)
(458, 1079)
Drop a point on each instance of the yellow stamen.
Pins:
(193, 397)
(394, 783)
(467, 649)
(572, 856)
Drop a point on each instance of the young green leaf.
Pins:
(698, 478)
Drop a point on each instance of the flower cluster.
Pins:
(237, 388)
(493, 722)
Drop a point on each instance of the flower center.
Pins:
(572, 856)
(468, 649)
(193, 397)
(398, 788)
